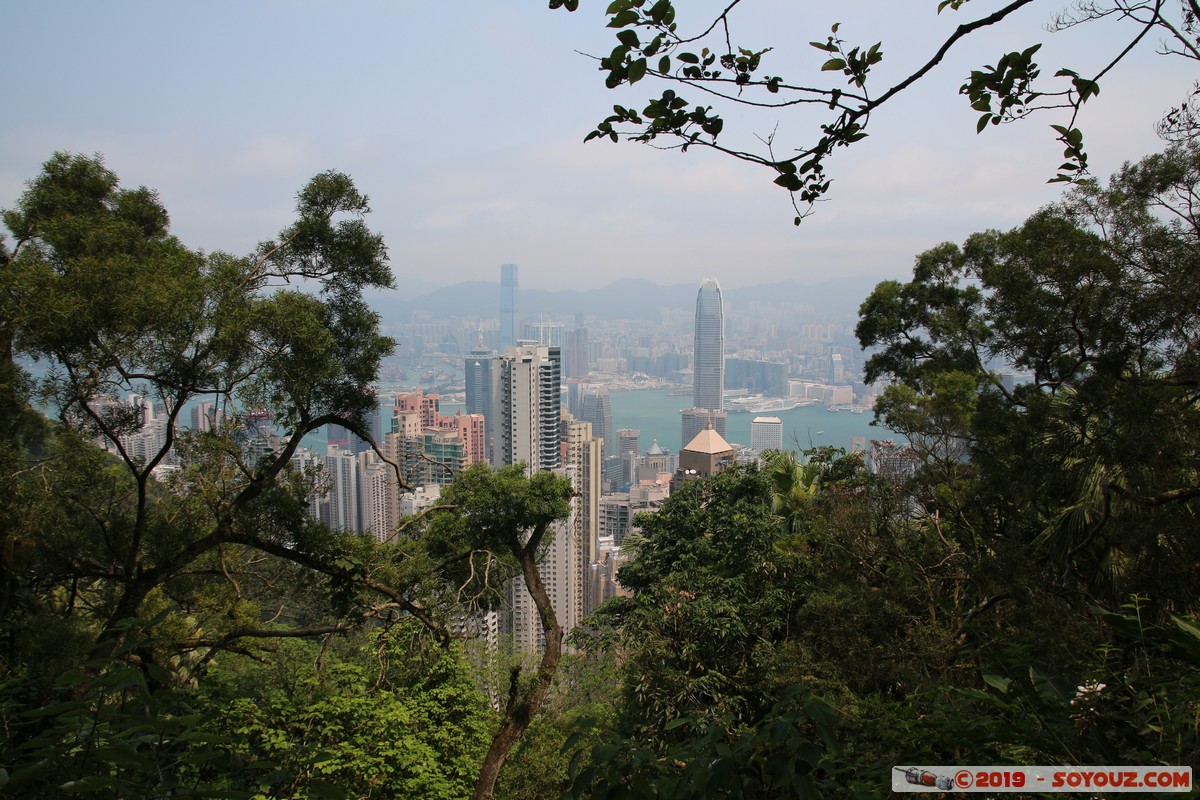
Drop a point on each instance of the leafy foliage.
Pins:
(365, 719)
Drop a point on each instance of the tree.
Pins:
(155, 556)
(366, 715)
(96, 286)
(1047, 376)
(498, 520)
(1094, 301)
(706, 59)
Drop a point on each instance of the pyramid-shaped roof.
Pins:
(654, 450)
(708, 441)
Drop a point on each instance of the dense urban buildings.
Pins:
(508, 384)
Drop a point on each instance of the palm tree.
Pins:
(794, 486)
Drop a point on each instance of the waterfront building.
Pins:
(306, 463)
(378, 496)
(708, 353)
(603, 579)
(508, 305)
(425, 406)
(756, 375)
(617, 509)
(419, 499)
(204, 417)
(837, 370)
(766, 433)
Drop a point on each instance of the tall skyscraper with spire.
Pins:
(708, 375)
(508, 306)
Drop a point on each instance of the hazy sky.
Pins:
(463, 120)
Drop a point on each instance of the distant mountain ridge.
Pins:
(627, 298)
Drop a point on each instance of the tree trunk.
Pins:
(521, 707)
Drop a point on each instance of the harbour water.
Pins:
(655, 412)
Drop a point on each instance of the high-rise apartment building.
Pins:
(526, 403)
(628, 450)
(837, 368)
(431, 447)
(204, 416)
(583, 462)
(560, 568)
(508, 305)
(479, 386)
(341, 475)
(547, 333)
(708, 354)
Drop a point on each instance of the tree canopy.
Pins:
(159, 528)
(1026, 595)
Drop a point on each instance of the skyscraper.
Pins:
(596, 407)
(508, 305)
(478, 373)
(576, 361)
(766, 433)
(694, 420)
(526, 402)
(341, 470)
(583, 462)
(708, 355)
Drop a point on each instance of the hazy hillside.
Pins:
(631, 298)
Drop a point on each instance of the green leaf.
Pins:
(834, 64)
(623, 19)
(637, 70)
(789, 182)
(998, 682)
(664, 64)
(629, 38)
(983, 121)
(688, 58)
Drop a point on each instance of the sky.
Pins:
(463, 121)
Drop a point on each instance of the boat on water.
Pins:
(758, 404)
